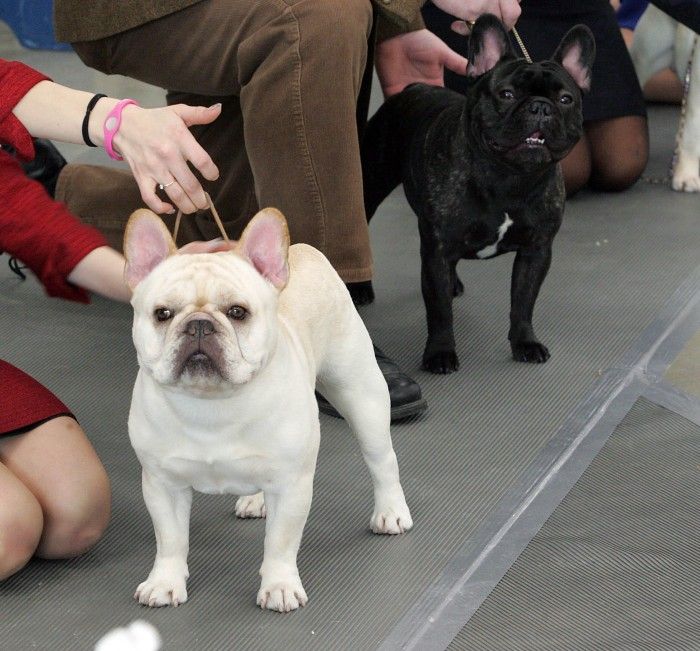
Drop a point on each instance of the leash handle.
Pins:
(217, 219)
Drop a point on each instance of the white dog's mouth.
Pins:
(200, 363)
(200, 354)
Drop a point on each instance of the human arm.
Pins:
(156, 143)
(102, 271)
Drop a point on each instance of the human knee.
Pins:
(20, 533)
(576, 179)
(616, 176)
(75, 520)
(619, 152)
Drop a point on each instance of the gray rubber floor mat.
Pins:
(617, 565)
(616, 261)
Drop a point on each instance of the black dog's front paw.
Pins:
(362, 293)
(441, 363)
(530, 351)
(457, 286)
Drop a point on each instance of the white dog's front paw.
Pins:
(686, 176)
(282, 596)
(251, 506)
(686, 183)
(391, 518)
(162, 589)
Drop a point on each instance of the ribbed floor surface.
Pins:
(617, 565)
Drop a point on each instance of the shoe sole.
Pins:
(402, 412)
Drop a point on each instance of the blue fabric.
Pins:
(630, 12)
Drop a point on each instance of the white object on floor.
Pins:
(137, 636)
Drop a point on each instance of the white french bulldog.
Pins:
(661, 42)
(230, 347)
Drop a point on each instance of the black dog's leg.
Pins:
(381, 173)
(361, 293)
(457, 286)
(437, 284)
(529, 270)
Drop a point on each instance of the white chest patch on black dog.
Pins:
(491, 249)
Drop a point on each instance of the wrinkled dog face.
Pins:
(528, 114)
(204, 321)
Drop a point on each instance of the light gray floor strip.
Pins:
(435, 619)
(666, 395)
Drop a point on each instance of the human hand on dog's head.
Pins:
(209, 246)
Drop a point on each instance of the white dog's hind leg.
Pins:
(686, 175)
(280, 587)
(251, 506)
(353, 383)
(170, 512)
(652, 46)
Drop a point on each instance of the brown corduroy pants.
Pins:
(288, 74)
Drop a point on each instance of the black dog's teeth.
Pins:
(534, 141)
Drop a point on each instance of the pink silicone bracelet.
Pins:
(111, 126)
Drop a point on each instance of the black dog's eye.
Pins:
(566, 98)
(506, 93)
(163, 314)
(237, 312)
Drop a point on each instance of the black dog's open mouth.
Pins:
(535, 140)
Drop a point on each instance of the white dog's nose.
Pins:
(199, 328)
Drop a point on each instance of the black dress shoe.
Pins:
(46, 165)
(406, 398)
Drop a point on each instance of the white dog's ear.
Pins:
(265, 243)
(147, 243)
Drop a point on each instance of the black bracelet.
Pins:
(86, 119)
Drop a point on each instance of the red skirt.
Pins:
(24, 401)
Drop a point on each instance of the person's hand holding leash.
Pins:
(157, 144)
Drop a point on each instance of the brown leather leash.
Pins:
(217, 219)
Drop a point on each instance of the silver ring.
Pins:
(162, 186)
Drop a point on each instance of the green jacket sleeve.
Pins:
(396, 17)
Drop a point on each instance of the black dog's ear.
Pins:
(576, 54)
(488, 44)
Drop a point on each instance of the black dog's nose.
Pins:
(199, 328)
(541, 107)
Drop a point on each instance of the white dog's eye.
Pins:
(163, 314)
(237, 312)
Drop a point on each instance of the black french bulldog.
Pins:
(481, 172)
